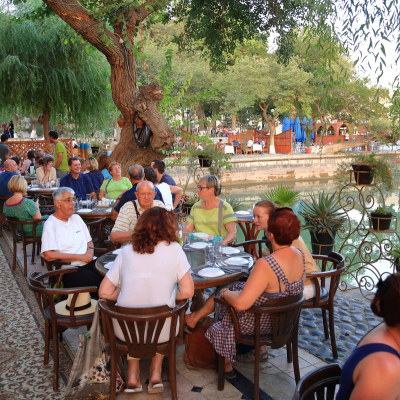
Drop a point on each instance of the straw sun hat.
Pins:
(84, 305)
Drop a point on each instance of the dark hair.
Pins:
(151, 175)
(386, 302)
(155, 225)
(104, 161)
(16, 159)
(136, 172)
(71, 159)
(159, 165)
(46, 160)
(53, 134)
(4, 137)
(31, 154)
(284, 225)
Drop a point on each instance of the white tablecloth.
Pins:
(257, 147)
(229, 150)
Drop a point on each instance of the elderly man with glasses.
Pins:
(212, 215)
(65, 237)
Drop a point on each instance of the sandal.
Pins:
(231, 374)
(249, 357)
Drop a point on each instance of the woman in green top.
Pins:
(113, 187)
(212, 215)
(23, 209)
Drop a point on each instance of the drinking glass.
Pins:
(218, 248)
(79, 204)
(185, 240)
(58, 182)
(42, 184)
(209, 256)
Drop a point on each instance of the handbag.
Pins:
(199, 352)
(90, 375)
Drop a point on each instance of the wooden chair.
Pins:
(250, 246)
(141, 328)
(3, 198)
(319, 384)
(285, 313)
(97, 232)
(332, 267)
(19, 236)
(54, 323)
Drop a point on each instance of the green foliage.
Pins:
(282, 196)
(395, 251)
(381, 210)
(235, 203)
(323, 214)
(74, 85)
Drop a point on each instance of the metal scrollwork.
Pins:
(364, 249)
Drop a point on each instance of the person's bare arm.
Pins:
(93, 195)
(114, 214)
(177, 191)
(59, 160)
(189, 227)
(108, 290)
(38, 215)
(185, 287)
(52, 255)
(121, 237)
(231, 235)
(101, 194)
(7, 156)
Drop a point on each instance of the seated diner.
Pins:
(94, 174)
(113, 187)
(281, 274)
(17, 206)
(212, 215)
(144, 275)
(47, 172)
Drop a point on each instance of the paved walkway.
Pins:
(23, 376)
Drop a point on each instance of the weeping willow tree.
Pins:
(72, 87)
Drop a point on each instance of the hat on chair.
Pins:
(84, 305)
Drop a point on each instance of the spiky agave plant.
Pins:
(235, 203)
(282, 196)
(323, 214)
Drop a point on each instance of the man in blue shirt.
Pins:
(159, 166)
(10, 169)
(135, 175)
(80, 183)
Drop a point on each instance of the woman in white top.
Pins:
(144, 275)
(47, 173)
(166, 190)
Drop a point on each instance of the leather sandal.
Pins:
(249, 357)
(231, 374)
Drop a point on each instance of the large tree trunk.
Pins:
(233, 123)
(201, 117)
(272, 126)
(45, 121)
(127, 98)
(338, 147)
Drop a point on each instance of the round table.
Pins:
(97, 213)
(38, 191)
(196, 260)
(29, 179)
(246, 224)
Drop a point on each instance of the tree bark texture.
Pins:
(338, 147)
(128, 99)
(45, 121)
(271, 124)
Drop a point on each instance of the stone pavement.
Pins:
(276, 375)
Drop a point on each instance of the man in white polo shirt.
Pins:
(132, 210)
(65, 237)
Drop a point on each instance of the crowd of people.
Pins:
(147, 228)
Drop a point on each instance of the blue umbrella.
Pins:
(291, 124)
(297, 130)
(285, 124)
(303, 132)
(312, 125)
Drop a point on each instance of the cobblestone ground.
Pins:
(353, 319)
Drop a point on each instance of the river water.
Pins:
(364, 250)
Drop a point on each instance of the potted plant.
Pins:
(282, 196)
(395, 253)
(188, 204)
(367, 167)
(380, 219)
(322, 217)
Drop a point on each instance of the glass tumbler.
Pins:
(209, 256)
(185, 240)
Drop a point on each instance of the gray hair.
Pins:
(211, 182)
(145, 183)
(57, 194)
(136, 172)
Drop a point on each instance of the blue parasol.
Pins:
(303, 132)
(297, 130)
(310, 122)
(285, 124)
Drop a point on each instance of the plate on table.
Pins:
(198, 245)
(84, 211)
(31, 188)
(117, 251)
(230, 250)
(201, 235)
(211, 272)
(243, 213)
(236, 261)
(108, 265)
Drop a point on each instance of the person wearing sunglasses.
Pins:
(212, 215)
(280, 274)
(373, 369)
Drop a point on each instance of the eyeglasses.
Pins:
(279, 209)
(69, 201)
(202, 187)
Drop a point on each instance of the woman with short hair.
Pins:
(104, 162)
(112, 188)
(212, 215)
(47, 173)
(144, 275)
(19, 207)
(29, 162)
(372, 371)
(94, 174)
